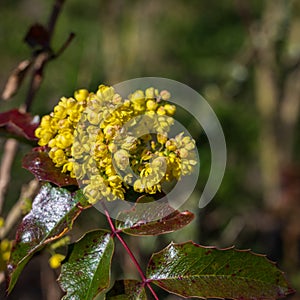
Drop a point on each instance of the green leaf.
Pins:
(127, 290)
(86, 270)
(149, 217)
(191, 270)
(52, 214)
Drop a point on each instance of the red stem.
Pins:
(116, 233)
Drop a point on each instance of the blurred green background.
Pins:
(242, 56)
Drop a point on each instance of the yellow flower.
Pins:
(121, 158)
(55, 260)
(170, 109)
(93, 136)
(105, 92)
(44, 135)
(58, 156)
(165, 95)
(1, 222)
(5, 249)
(81, 95)
(151, 105)
(64, 139)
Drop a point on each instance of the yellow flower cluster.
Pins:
(5, 248)
(109, 143)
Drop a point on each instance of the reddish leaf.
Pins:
(149, 217)
(37, 35)
(52, 214)
(41, 166)
(15, 79)
(18, 123)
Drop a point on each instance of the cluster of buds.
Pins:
(110, 144)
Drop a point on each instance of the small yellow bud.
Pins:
(165, 95)
(64, 139)
(55, 260)
(170, 145)
(6, 256)
(150, 93)
(121, 158)
(46, 121)
(5, 245)
(117, 99)
(138, 186)
(81, 95)
(170, 109)
(161, 111)
(183, 153)
(105, 92)
(151, 105)
(112, 147)
(162, 138)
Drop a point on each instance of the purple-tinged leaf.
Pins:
(127, 290)
(19, 124)
(52, 214)
(41, 166)
(86, 270)
(191, 270)
(148, 217)
(37, 35)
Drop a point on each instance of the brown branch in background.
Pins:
(10, 149)
(243, 8)
(289, 114)
(37, 36)
(277, 89)
(16, 79)
(54, 15)
(39, 39)
(36, 78)
(28, 191)
(264, 38)
(65, 45)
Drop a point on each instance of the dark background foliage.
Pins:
(242, 56)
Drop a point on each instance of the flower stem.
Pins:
(136, 263)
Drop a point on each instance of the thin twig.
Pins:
(10, 149)
(65, 45)
(36, 78)
(54, 15)
(15, 213)
(45, 55)
(136, 263)
(28, 191)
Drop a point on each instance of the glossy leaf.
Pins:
(127, 290)
(191, 270)
(19, 124)
(41, 166)
(86, 270)
(152, 218)
(52, 214)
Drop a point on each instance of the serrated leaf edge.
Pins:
(290, 290)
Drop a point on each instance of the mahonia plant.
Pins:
(89, 153)
(84, 138)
